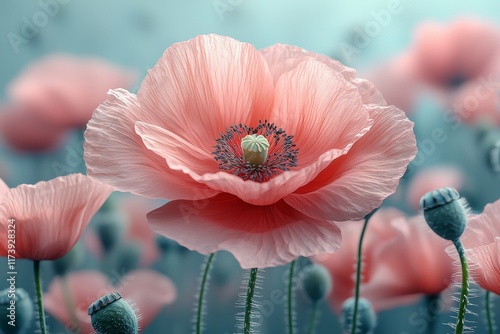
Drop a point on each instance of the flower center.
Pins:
(255, 153)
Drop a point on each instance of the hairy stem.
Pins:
(249, 300)
(464, 295)
(312, 319)
(489, 315)
(199, 309)
(39, 297)
(358, 277)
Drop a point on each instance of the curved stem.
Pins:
(358, 277)
(249, 300)
(312, 319)
(39, 297)
(204, 280)
(290, 296)
(488, 312)
(464, 295)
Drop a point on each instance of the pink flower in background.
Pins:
(430, 179)
(335, 150)
(49, 216)
(64, 90)
(25, 130)
(397, 80)
(447, 55)
(402, 260)
(459, 62)
(481, 240)
(148, 290)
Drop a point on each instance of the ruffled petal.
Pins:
(115, 154)
(482, 229)
(284, 58)
(50, 216)
(149, 291)
(485, 265)
(359, 181)
(320, 109)
(258, 236)
(202, 86)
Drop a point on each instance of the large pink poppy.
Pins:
(147, 290)
(481, 240)
(402, 260)
(336, 150)
(49, 217)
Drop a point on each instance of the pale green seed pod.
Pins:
(113, 315)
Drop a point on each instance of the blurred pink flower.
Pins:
(430, 179)
(402, 260)
(397, 80)
(64, 90)
(336, 150)
(481, 240)
(149, 291)
(49, 216)
(25, 130)
(459, 62)
(447, 55)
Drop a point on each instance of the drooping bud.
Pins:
(16, 311)
(317, 282)
(366, 320)
(113, 315)
(444, 212)
(110, 229)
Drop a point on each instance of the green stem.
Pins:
(464, 295)
(432, 309)
(358, 277)
(202, 292)
(290, 298)
(249, 300)
(312, 319)
(39, 297)
(488, 312)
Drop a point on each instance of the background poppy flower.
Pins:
(402, 260)
(149, 291)
(49, 216)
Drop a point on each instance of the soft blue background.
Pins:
(135, 34)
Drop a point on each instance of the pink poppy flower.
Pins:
(402, 260)
(431, 179)
(26, 130)
(481, 240)
(334, 149)
(148, 291)
(64, 90)
(459, 62)
(447, 55)
(49, 216)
